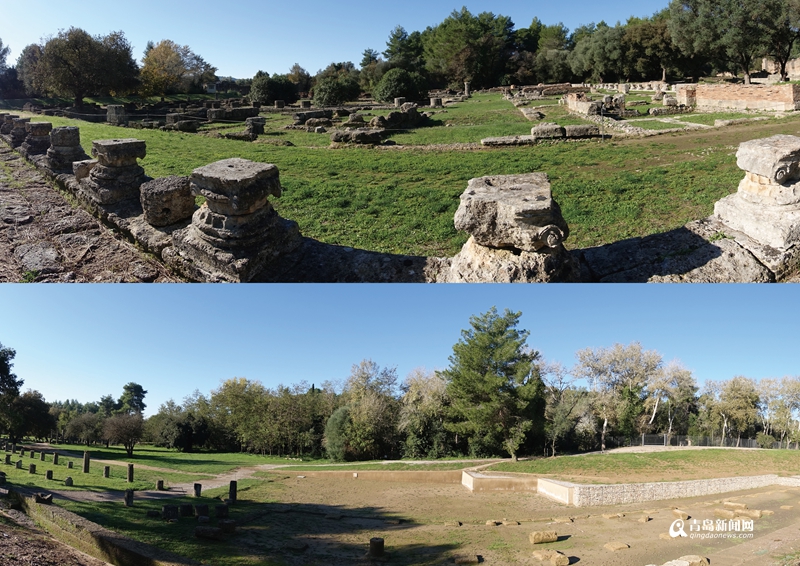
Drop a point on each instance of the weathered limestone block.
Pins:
(669, 101)
(167, 200)
(582, 131)
(81, 169)
(359, 136)
(37, 140)
(18, 131)
(305, 104)
(280, 104)
(554, 557)
(169, 512)
(213, 115)
(115, 114)
(65, 148)
(512, 211)
(399, 101)
(766, 206)
(548, 130)
(237, 231)
(540, 537)
(116, 176)
(8, 124)
(436, 102)
(615, 546)
(255, 125)
(695, 560)
(173, 118)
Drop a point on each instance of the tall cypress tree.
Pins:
(494, 385)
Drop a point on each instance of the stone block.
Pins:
(173, 118)
(540, 537)
(512, 211)
(39, 128)
(682, 515)
(777, 158)
(119, 153)
(695, 560)
(724, 513)
(186, 510)
(81, 169)
(228, 526)
(170, 512)
(236, 186)
(581, 131)
(548, 130)
(358, 136)
(553, 557)
(167, 200)
(399, 101)
(201, 510)
(615, 546)
(774, 226)
(279, 104)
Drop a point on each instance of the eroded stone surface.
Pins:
(65, 149)
(236, 186)
(119, 153)
(777, 158)
(512, 211)
(167, 200)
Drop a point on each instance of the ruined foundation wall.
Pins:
(748, 97)
(93, 539)
(592, 495)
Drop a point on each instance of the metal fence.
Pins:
(680, 440)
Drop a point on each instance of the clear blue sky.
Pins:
(85, 341)
(239, 38)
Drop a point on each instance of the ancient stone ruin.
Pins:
(767, 205)
(780, 98)
(37, 140)
(516, 232)
(65, 148)
(115, 175)
(237, 231)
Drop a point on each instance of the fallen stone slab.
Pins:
(554, 557)
(541, 537)
(734, 505)
(682, 515)
(695, 560)
(509, 141)
(616, 546)
(467, 559)
(725, 513)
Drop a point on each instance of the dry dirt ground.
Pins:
(44, 238)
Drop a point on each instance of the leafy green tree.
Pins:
(782, 25)
(125, 429)
(168, 67)
(266, 89)
(405, 50)
(598, 56)
(27, 63)
(336, 444)
(470, 48)
(4, 50)
(422, 415)
(300, 77)
(132, 399)
(370, 396)
(729, 30)
(86, 428)
(738, 406)
(9, 385)
(398, 82)
(30, 416)
(76, 64)
(648, 50)
(333, 91)
(494, 386)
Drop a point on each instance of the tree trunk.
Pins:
(603, 435)
(655, 408)
(663, 74)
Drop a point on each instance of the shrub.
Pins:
(765, 440)
(330, 91)
(266, 89)
(400, 83)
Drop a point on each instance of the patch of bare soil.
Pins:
(45, 239)
(327, 521)
(22, 544)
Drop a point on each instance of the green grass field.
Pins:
(403, 200)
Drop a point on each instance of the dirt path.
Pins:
(44, 238)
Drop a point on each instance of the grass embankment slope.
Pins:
(403, 200)
(670, 465)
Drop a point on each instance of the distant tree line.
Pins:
(497, 397)
(689, 38)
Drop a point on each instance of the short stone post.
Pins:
(280, 104)
(19, 464)
(18, 132)
(305, 104)
(8, 459)
(2, 478)
(70, 465)
(128, 498)
(115, 115)
(106, 471)
(86, 462)
(21, 452)
(37, 138)
(197, 489)
(436, 102)
(160, 485)
(55, 459)
(68, 481)
(232, 491)
(130, 473)
(7, 124)
(399, 101)
(466, 88)
(32, 468)
(116, 176)
(14, 448)
(65, 148)
(33, 454)
(375, 547)
(49, 474)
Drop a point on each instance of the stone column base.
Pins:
(774, 226)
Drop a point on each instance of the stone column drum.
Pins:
(8, 124)
(237, 231)
(116, 176)
(37, 140)
(65, 148)
(18, 131)
(767, 205)
(517, 233)
(115, 114)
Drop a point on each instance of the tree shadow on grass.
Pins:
(271, 533)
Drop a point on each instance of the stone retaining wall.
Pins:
(741, 97)
(94, 540)
(422, 476)
(616, 494)
(476, 481)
